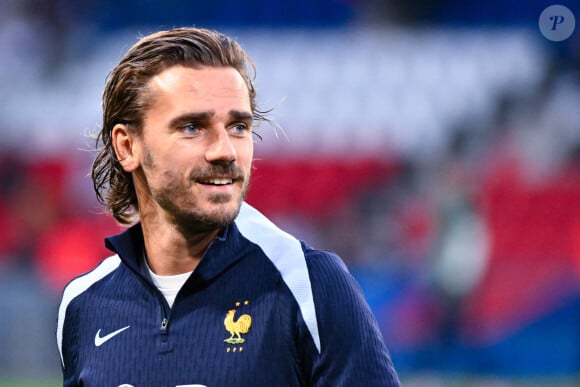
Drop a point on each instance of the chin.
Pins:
(225, 213)
(213, 216)
(224, 204)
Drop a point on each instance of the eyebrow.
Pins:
(205, 116)
(241, 115)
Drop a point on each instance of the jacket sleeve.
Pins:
(352, 350)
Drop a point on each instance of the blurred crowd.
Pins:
(468, 251)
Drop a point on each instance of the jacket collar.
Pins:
(223, 251)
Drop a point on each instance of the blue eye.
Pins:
(240, 128)
(190, 128)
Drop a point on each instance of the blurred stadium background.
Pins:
(435, 145)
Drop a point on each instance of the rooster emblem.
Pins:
(235, 328)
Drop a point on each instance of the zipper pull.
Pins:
(164, 344)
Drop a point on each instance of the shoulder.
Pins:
(332, 279)
(336, 292)
(324, 264)
(83, 282)
(77, 287)
(286, 251)
(316, 278)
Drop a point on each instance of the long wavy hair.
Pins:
(125, 100)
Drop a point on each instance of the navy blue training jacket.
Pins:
(261, 309)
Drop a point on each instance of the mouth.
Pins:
(216, 181)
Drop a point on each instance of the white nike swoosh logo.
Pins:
(102, 340)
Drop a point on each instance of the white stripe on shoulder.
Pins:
(286, 253)
(77, 287)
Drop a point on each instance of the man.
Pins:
(203, 290)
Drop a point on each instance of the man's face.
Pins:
(196, 148)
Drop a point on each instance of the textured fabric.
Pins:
(261, 309)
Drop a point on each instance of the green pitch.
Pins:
(29, 383)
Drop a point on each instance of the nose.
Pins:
(221, 149)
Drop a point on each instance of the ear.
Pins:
(126, 149)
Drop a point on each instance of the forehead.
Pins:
(180, 87)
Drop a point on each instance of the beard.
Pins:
(192, 214)
(194, 221)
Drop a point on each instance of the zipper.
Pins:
(164, 344)
(165, 313)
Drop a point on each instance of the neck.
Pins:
(170, 252)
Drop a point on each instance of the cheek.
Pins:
(172, 156)
(161, 168)
(246, 156)
(148, 161)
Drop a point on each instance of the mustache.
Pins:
(231, 171)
